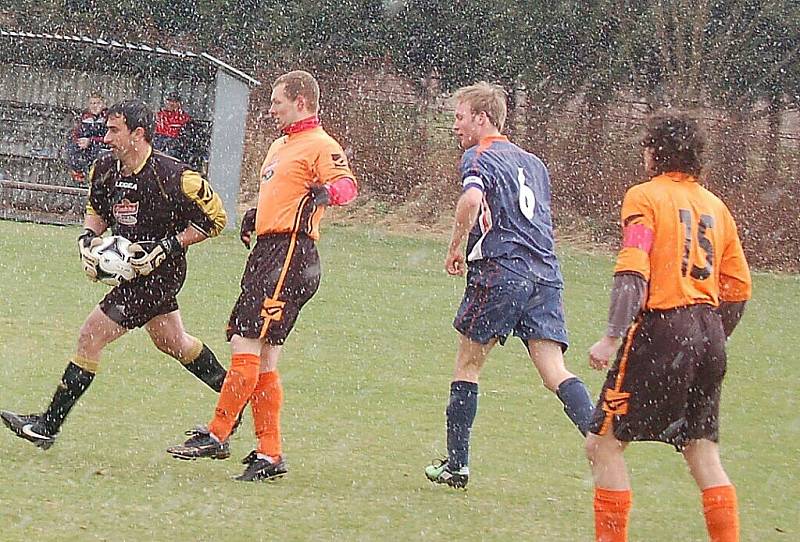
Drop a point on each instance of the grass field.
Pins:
(366, 376)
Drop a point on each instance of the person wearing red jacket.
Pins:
(170, 120)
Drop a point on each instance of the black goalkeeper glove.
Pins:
(147, 255)
(248, 227)
(87, 240)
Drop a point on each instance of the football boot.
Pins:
(29, 427)
(261, 469)
(200, 444)
(439, 472)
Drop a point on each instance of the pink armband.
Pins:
(342, 191)
(637, 236)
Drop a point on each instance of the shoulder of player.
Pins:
(167, 165)
(644, 189)
(470, 156)
(533, 158)
(711, 196)
(170, 171)
(645, 194)
(278, 142)
(104, 168)
(323, 139)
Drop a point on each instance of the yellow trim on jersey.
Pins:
(200, 192)
(90, 178)
(140, 167)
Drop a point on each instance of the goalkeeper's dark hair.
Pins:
(677, 141)
(136, 115)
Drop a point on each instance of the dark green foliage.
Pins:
(732, 52)
(457, 41)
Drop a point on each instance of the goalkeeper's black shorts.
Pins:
(134, 303)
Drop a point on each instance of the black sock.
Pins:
(578, 403)
(206, 367)
(461, 410)
(74, 382)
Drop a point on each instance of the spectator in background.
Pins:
(192, 145)
(85, 141)
(170, 120)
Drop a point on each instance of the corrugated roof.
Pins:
(157, 50)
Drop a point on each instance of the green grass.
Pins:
(366, 376)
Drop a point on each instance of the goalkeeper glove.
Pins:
(147, 255)
(87, 240)
(248, 227)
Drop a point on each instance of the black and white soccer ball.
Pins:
(113, 260)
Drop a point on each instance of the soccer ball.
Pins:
(113, 257)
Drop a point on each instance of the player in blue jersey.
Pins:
(513, 278)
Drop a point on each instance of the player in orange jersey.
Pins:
(304, 171)
(680, 285)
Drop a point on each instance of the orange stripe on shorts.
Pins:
(615, 401)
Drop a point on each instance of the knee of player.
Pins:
(550, 383)
(89, 339)
(179, 347)
(702, 453)
(602, 449)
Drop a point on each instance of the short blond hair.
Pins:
(486, 98)
(300, 83)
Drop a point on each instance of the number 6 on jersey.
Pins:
(527, 199)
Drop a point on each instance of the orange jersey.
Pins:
(682, 239)
(294, 163)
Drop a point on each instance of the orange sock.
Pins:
(722, 514)
(237, 389)
(611, 509)
(266, 403)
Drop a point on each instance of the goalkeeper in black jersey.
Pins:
(163, 207)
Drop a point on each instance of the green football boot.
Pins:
(440, 473)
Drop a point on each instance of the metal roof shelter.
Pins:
(45, 80)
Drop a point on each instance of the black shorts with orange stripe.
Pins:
(281, 275)
(665, 384)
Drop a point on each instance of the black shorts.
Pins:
(133, 304)
(665, 384)
(281, 275)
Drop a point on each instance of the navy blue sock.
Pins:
(578, 404)
(461, 411)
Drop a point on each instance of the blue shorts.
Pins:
(498, 302)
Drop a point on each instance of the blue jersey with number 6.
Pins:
(514, 226)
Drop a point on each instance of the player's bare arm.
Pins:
(190, 236)
(95, 223)
(466, 213)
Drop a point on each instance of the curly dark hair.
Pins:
(677, 141)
